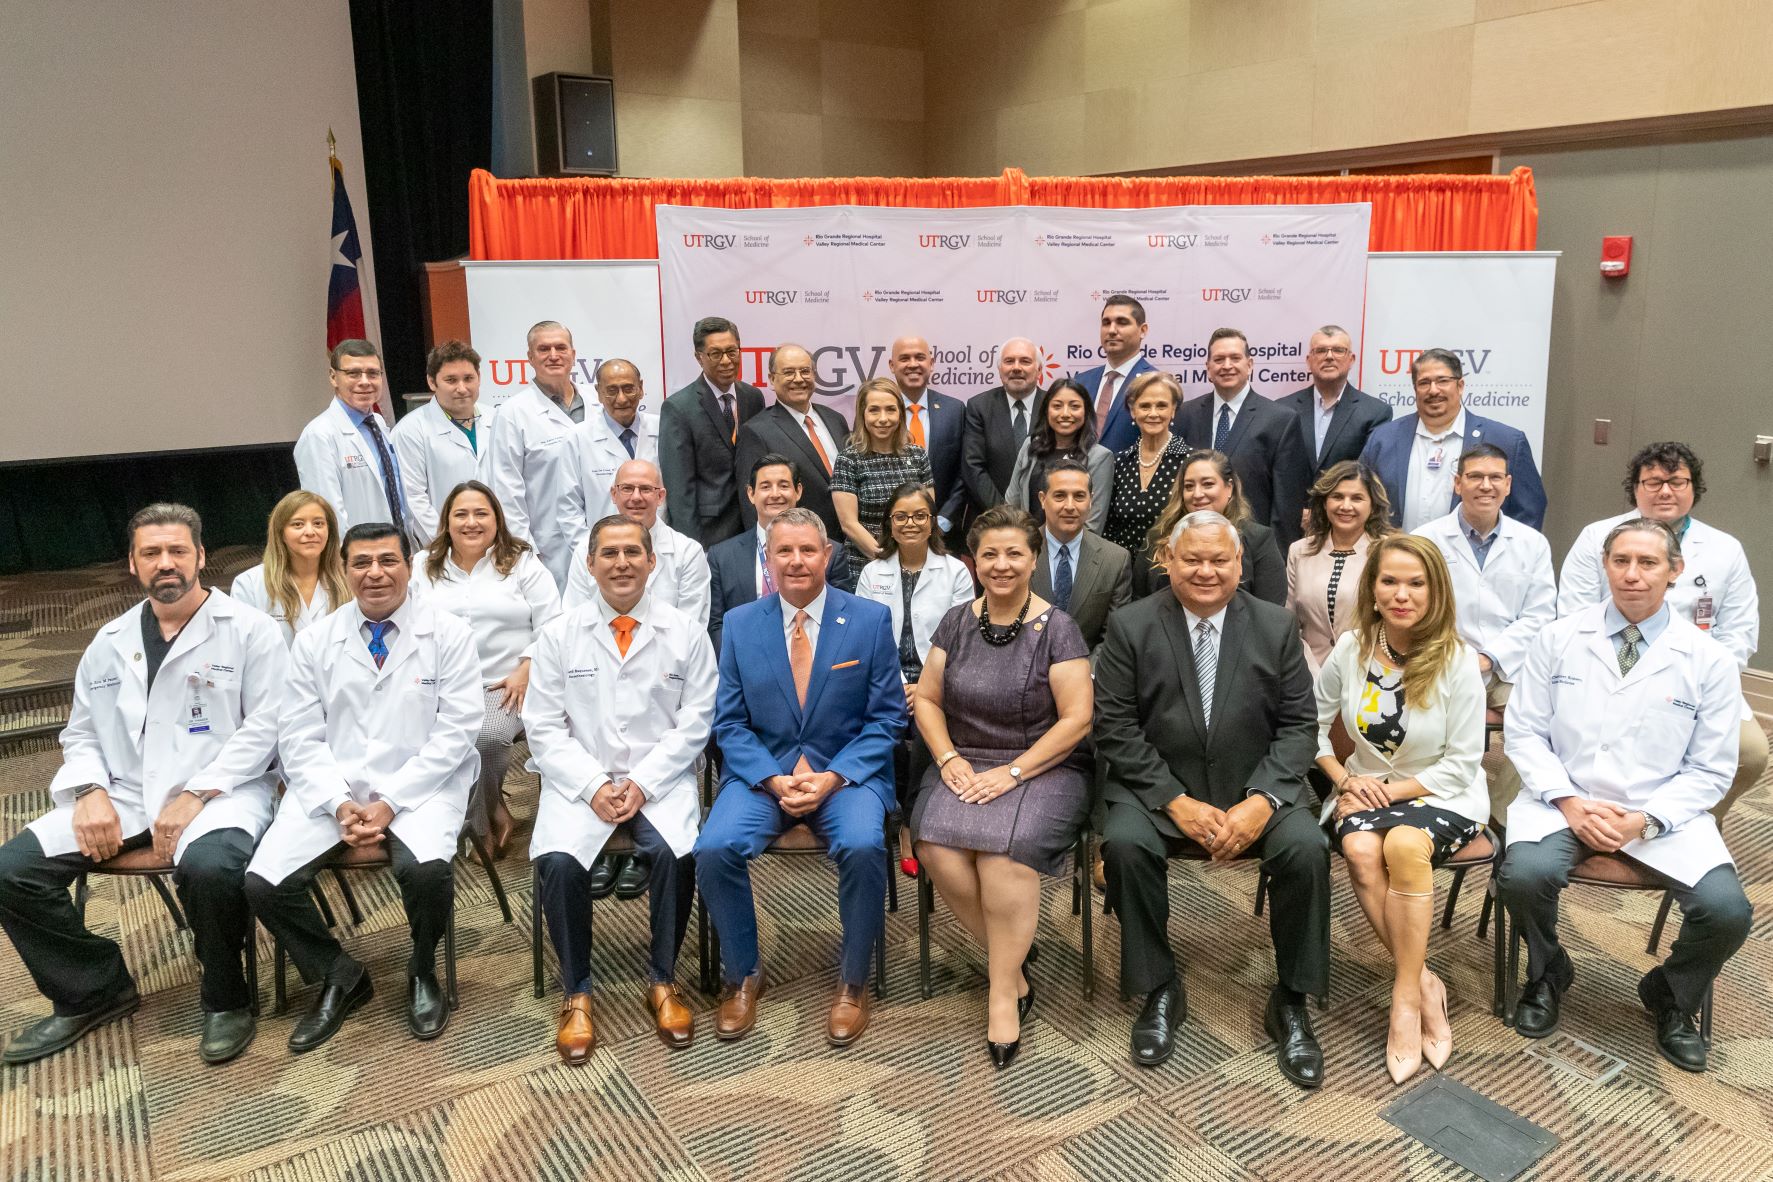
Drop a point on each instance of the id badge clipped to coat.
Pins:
(1704, 608)
(197, 718)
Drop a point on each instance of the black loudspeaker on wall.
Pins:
(575, 125)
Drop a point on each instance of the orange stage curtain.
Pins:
(591, 218)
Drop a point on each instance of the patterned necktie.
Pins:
(916, 423)
(800, 656)
(623, 627)
(1223, 432)
(763, 564)
(378, 647)
(1105, 399)
(1628, 652)
(726, 408)
(390, 478)
(813, 434)
(1019, 422)
(627, 438)
(1206, 667)
(1062, 579)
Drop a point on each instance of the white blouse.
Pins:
(504, 611)
(249, 588)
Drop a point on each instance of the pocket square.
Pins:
(846, 664)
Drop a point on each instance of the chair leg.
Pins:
(535, 938)
(449, 961)
(892, 874)
(492, 873)
(1452, 899)
(1261, 890)
(320, 901)
(252, 964)
(706, 979)
(925, 904)
(1085, 912)
(338, 876)
(82, 891)
(880, 961)
(1661, 919)
(172, 907)
(1484, 915)
(279, 986)
(1705, 1008)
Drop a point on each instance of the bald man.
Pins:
(997, 421)
(937, 424)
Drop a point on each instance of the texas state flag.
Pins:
(344, 298)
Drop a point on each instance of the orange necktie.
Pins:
(820, 448)
(800, 660)
(916, 424)
(623, 627)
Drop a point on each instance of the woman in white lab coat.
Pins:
(919, 581)
(302, 577)
(476, 570)
(1412, 793)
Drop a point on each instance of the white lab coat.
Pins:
(593, 716)
(1503, 604)
(945, 583)
(404, 734)
(334, 460)
(529, 458)
(249, 588)
(504, 611)
(1715, 566)
(601, 453)
(435, 456)
(1661, 739)
(208, 724)
(1443, 745)
(680, 578)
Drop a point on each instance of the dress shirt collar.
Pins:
(606, 613)
(356, 416)
(1235, 402)
(616, 429)
(1216, 621)
(1649, 628)
(1456, 427)
(400, 618)
(815, 612)
(1471, 531)
(1325, 407)
(1074, 546)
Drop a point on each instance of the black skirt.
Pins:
(1449, 830)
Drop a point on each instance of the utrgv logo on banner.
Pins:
(997, 295)
(1224, 295)
(710, 241)
(1171, 241)
(1398, 360)
(943, 241)
(779, 298)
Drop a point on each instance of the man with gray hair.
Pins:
(1623, 729)
(1206, 721)
(997, 421)
(1334, 417)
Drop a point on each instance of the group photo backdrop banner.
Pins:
(611, 308)
(845, 281)
(1492, 309)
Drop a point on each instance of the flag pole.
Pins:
(332, 145)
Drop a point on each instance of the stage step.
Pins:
(34, 712)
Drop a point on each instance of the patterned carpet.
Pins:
(915, 1099)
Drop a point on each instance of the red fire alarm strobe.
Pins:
(1616, 256)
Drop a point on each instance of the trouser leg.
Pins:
(1532, 876)
(1296, 854)
(852, 823)
(742, 822)
(77, 971)
(1133, 858)
(211, 881)
(671, 887)
(288, 912)
(1715, 918)
(428, 889)
(564, 888)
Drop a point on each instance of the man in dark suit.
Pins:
(738, 566)
(935, 423)
(1334, 417)
(699, 434)
(1080, 572)
(1205, 718)
(1262, 438)
(1123, 344)
(795, 426)
(997, 421)
(1417, 456)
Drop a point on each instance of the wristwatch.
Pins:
(87, 790)
(1016, 775)
(1652, 827)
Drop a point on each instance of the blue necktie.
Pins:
(390, 477)
(1223, 432)
(378, 647)
(628, 440)
(1062, 579)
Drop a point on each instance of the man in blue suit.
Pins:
(1123, 343)
(738, 567)
(809, 711)
(1417, 455)
(936, 423)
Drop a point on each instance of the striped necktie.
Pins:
(1206, 667)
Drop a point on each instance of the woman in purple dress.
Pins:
(1003, 702)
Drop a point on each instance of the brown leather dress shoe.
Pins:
(577, 1036)
(672, 1019)
(738, 1008)
(849, 1016)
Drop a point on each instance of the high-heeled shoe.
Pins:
(1003, 1053)
(908, 867)
(1025, 1003)
(1436, 1050)
(1403, 1057)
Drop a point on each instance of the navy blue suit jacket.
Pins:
(732, 570)
(944, 432)
(1388, 453)
(1118, 429)
(855, 702)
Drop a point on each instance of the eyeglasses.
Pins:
(360, 375)
(1656, 484)
(1436, 383)
(721, 354)
(631, 490)
(919, 517)
(1331, 351)
(1482, 478)
(794, 373)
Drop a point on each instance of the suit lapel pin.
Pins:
(841, 620)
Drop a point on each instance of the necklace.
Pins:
(998, 635)
(1391, 654)
(1144, 463)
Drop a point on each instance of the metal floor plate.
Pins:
(1473, 1132)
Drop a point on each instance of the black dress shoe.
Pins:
(1025, 1003)
(49, 1035)
(603, 875)
(631, 882)
(1536, 1014)
(226, 1035)
(1003, 1053)
(1154, 1033)
(1289, 1025)
(427, 1010)
(328, 1012)
(1677, 1036)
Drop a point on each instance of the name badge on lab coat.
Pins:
(197, 720)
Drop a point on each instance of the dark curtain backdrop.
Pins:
(425, 100)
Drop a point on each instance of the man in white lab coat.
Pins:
(1622, 727)
(621, 432)
(530, 458)
(621, 700)
(439, 443)
(346, 453)
(378, 728)
(173, 728)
